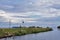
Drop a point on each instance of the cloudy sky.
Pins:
(33, 12)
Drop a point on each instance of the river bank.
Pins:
(9, 32)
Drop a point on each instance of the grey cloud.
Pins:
(56, 6)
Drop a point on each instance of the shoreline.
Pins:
(10, 32)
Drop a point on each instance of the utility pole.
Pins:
(9, 23)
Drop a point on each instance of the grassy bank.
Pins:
(5, 32)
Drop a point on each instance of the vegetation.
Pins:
(58, 27)
(5, 32)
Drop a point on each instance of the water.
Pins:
(51, 35)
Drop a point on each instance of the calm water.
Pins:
(51, 35)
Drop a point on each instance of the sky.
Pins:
(32, 12)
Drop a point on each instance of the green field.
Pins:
(22, 31)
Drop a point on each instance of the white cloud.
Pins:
(6, 6)
(42, 12)
(9, 16)
(43, 8)
(40, 8)
(31, 21)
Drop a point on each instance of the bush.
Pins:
(58, 27)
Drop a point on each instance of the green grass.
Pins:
(22, 31)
